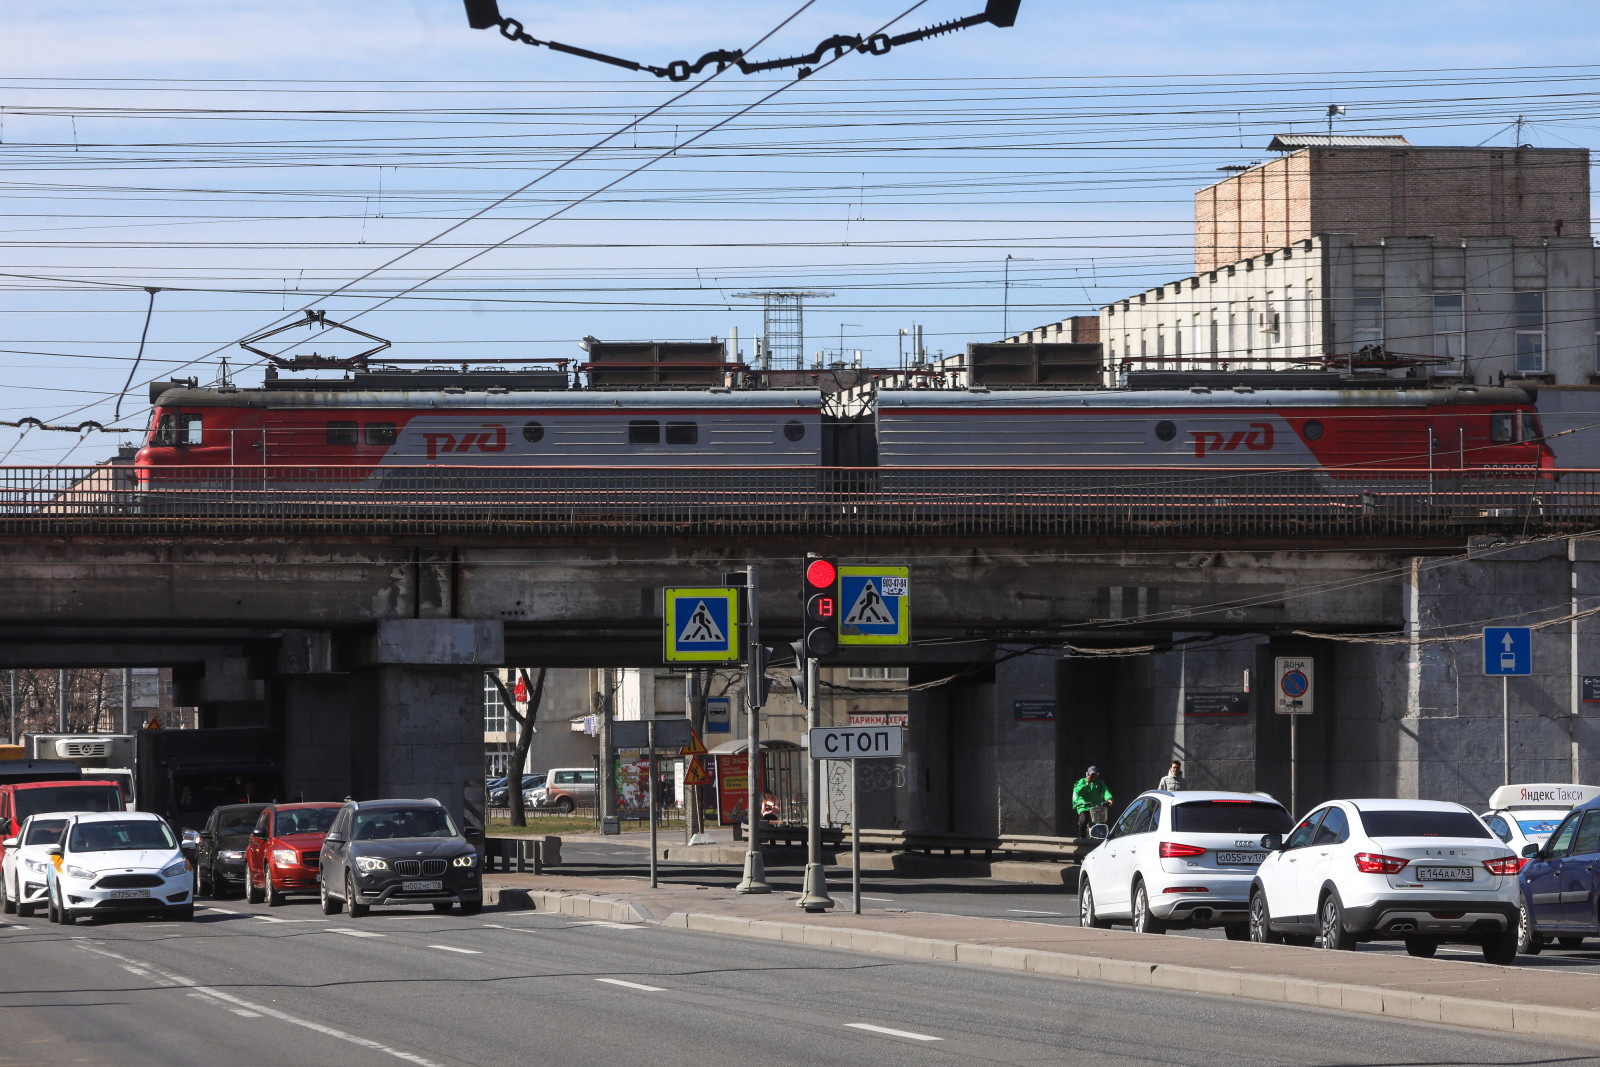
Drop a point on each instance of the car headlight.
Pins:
(77, 872)
(465, 861)
(285, 857)
(36, 866)
(230, 854)
(181, 867)
(371, 863)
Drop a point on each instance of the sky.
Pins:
(250, 161)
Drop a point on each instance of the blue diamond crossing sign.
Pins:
(874, 605)
(1507, 650)
(701, 625)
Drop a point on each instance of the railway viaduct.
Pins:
(365, 642)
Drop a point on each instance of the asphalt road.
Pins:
(981, 897)
(247, 985)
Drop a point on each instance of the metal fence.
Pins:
(758, 501)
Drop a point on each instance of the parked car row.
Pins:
(1351, 871)
(560, 789)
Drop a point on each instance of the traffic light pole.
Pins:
(814, 896)
(755, 871)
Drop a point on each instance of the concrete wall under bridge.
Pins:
(369, 657)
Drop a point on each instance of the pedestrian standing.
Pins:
(1174, 779)
(1091, 799)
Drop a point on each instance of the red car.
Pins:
(284, 851)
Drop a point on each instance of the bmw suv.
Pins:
(399, 852)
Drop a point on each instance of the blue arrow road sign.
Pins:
(1507, 650)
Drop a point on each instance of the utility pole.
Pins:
(755, 871)
(127, 697)
(1005, 314)
(814, 894)
(604, 783)
(61, 700)
(13, 705)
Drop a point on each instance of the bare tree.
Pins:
(519, 754)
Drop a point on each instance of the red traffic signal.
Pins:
(821, 573)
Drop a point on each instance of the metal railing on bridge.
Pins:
(766, 501)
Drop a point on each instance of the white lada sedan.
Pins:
(118, 862)
(1416, 871)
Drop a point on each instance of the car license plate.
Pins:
(130, 894)
(422, 887)
(1444, 874)
(1252, 859)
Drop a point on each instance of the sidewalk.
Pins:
(1549, 1003)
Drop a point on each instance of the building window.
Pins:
(189, 429)
(1366, 315)
(495, 719)
(880, 674)
(1527, 320)
(1449, 329)
(1214, 336)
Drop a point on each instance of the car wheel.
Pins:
(185, 914)
(1087, 916)
(1500, 948)
(471, 907)
(1570, 942)
(50, 912)
(356, 910)
(24, 911)
(251, 893)
(7, 905)
(194, 884)
(64, 914)
(442, 907)
(1144, 922)
(1528, 941)
(1422, 947)
(274, 898)
(1261, 931)
(331, 905)
(205, 885)
(1334, 936)
(565, 805)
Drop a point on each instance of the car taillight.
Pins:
(1377, 863)
(1171, 850)
(1505, 864)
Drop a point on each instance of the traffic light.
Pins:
(758, 685)
(820, 590)
(799, 677)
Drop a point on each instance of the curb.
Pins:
(587, 907)
(1305, 992)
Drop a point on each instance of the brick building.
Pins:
(1377, 187)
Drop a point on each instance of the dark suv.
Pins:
(399, 852)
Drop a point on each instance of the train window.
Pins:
(794, 430)
(1165, 431)
(1502, 427)
(644, 432)
(1312, 430)
(165, 434)
(189, 427)
(532, 433)
(1530, 426)
(380, 433)
(683, 433)
(342, 433)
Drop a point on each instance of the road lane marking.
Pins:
(219, 911)
(275, 919)
(246, 1014)
(1030, 911)
(893, 1033)
(607, 925)
(631, 985)
(261, 1009)
(881, 900)
(351, 933)
(452, 948)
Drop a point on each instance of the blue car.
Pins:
(1561, 883)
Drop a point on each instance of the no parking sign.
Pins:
(1296, 675)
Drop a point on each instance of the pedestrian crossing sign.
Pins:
(874, 605)
(701, 625)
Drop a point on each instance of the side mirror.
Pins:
(52, 850)
(1099, 832)
(258, 832)
(1529, 851)
(191, 839)
(471, 831)
(334, 839)
(1272, 842)
(9, 842)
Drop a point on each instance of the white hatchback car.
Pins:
(118, 862)
(1523, 815)
(23, 871)
(1180, 859)
(1367, 870)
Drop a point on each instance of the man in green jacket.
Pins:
(1091, 793)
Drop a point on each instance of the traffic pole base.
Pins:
(815, 895)
(755, 874)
